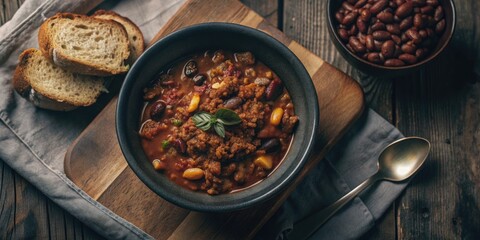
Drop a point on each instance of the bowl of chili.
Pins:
(217, 117)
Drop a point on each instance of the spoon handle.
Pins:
(307, 226)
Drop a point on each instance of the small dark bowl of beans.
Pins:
(217, 117)
(390, 37)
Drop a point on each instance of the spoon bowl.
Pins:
(402, 158)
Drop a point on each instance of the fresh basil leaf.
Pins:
(202, 120)
(227, 117)
(219, 129)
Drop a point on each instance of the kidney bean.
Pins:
(339, 16)
(378, 26)
(418, 21)
(394, 29)
(357, 46)
(350, 18)
(399, 2)
(406, 23)
(416, 10)
(423, 33)
(388, 49)
(438, 13)
(369, 42)
(362, 26)
(375, 58)
(381, 35)
(404, 38)
(392, 5)
(273, 90)
(157, 109)
(261, 81)
(347, 6)
(418, 3)
(360, 3)
(232, 103)
(408, 58)
(426, 10)
(396, 39)
(378, 45)
(420, 53)
(385, 17)
(190, 69)
(394, 63)
(440, 27)
(199, 79)
(397, 52)
(409, 48)
(365, 15)
(361, 37)
(432, 3)
(378, 6)
(353, 30)
(404, 10)
(271, 145)
(180, 145)
(343, 33)
(413, 35)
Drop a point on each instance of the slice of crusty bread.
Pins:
(84, 44)
(135, 36)
(51, 87)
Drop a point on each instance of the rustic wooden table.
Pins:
(440, 102)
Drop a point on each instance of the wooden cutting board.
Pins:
(95, 162)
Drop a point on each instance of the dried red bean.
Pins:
(378, 45)
(232, 103)
(378, 6)
(381, 35)
(394, 63)
(385, 17)
(357, 46)
(423, 33)
(353, 30)
(396, 39)
(404, 10)
(409, 48)
(418, 3)
(339, 16)
(362, 26)
(432, 3)
(406, 23)
(394, 29)
(343, 33)
(399, 2)
(273, 90)
(440, 27)
(350, 18)
(360, 3)
(414, 35)
(418, 21)
(347, 6)
(388, 49)
(426, 9)
(157, 109)
(378, 26)
(420, 53)
(416, 10)
(369, 42)
(365, 15)
(408, 58)
(438, 13)
(375, 58)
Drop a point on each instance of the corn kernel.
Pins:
(158, 165)
(193, 174)
(217, 85)
(193, 103)
(269, 75)
(276, 116)
(264, 162)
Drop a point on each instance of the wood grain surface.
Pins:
(95, 163)
(442, 201)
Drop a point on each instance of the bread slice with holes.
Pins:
(84, 44)
(135, 36)
(51, 87)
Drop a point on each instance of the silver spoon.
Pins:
(397, 162)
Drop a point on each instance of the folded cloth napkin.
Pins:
(34, 141)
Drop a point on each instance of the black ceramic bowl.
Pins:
(375, 69)
(233, 37)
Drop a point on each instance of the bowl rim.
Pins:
(330, 20)
(121, 123)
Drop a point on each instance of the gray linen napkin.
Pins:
(34, 141)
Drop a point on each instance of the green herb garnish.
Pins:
(165, 144)
(223, 117)
(177, 122)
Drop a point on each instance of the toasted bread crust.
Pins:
(45, 37)
(21, 84)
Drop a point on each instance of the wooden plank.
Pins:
(268, 9)
(306, 23)
(339, 96)
(441, 103)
